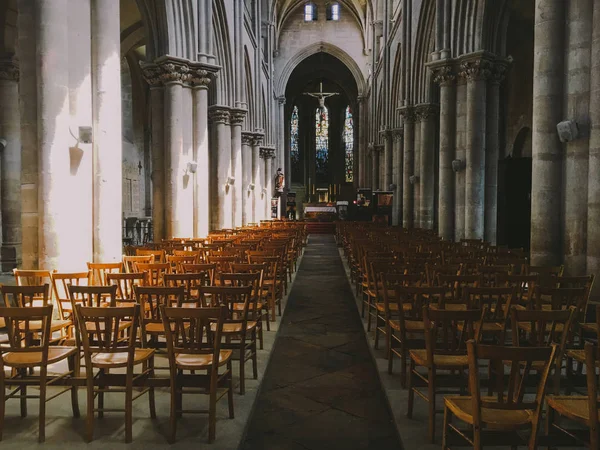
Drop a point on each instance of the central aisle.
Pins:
(321, 389)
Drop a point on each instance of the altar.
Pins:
(321, 212)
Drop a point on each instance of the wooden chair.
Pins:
(100, 331)
(98, 272)
(272, 287)
(154, 272)
(190, 282)
(150, 298)
(407, 332)
(197, 254)
(60, 286)
(209, 269)
(130, 262)
(583, 410)
(28, 346)
(125, 283)
(498, 301)
(506, 414)
(158, 255)
(34, 296)
(194, 344)
(456, 285)
(547, 274)
(238, 330)
(32, 277)
(223, 262)
(253, 279)
(177, 261)
(525, 285)
(445, 350)
(543, 328)
(255, 268)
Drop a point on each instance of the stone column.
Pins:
(379, 149)
(398, 135)
(461, 144)
(388, 159)
(10, 166)
(408, 114)
(476, 70)
(283, 151)
(152, 75)
(28, 99)
(263, 199)
(256, 175)
(546, 189)
(55, 212)
(237, 118)
(221, 171)
(269, 159)
(374, 165)
(108, 152)
(362, 141)
(427, 113)
(577, 107)
(593, 219)
(492, 145)
(200, 81)
(417, 170)
(446, 78)
(247, 193)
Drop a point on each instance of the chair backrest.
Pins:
(93, 296)
(447, 331)
(130, 262)
(228, 296)
(21, 326)
(32, 277)
(433, 270)
(61, 281)
(252, 279)
(562, 298)
(592, 362)
(547, 326)
(248, 268)
(193, 331)
(548, 274)
(25, 296)
(412, 299)
(489, 273)
(223, 262)
(197, 254)
(177, 261)
(525, 285)
(271, 264)
(154, 272)
(209, 269)
(457, 283)
(98, 272)
(521, 360)
(158, 255)
(100, 330)
(151, 297)
(189, 281)
(125, 283)
(497, 301)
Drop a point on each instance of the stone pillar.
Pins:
(577, 107)
(200, 81)
(221, 171)
(461, 145)
(546, 189)
(237, 118)
(247, 193)
(282, 160)
(492, 145)
(398, 135)
(269, 159)
(388, 159)
(446, 78)
(408, 114)
(417, 171)
(28, 99)
(256, 175)
(374, 165)
(427, 113)
(593, 219)
(476, 70)
(263, 199)
(362, 141)
(55, 212)
(10, 165)
(108, 153)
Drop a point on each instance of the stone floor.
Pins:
(321, 389)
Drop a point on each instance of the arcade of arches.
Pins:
(136, 120)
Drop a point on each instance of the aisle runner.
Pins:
(321, 389)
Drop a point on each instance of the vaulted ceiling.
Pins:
(281, 9)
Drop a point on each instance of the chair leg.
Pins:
(151, 397)
(447, 420)
(89, 419)
(212, 413)
(254, 357)
(2, 401)
(230, 390)
(242, 368)
(42, 414)
(268, 320)
(23, 394)
(73, 362)
(129, 406)
(411, 392)
(402, 365)
(390, 353)
(173, 412)
(431, 398)
(376, 343)
(101, 394)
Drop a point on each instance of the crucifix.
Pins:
(321, 96)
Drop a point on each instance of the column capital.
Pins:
(9, 68)
(425, 111)
(385, 133)
(200, 78)
(247, 138)
(237, 116)
(361, 99)
(499, 69)
(168, 69)
(398, 134)
(408, 113)
(258, 137)
(476, 66)
(378, 148)
(219, 114)
(267, 152)
(444, 75)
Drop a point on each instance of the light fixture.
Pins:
(413, 179)
(458, 165)
(3, 143)
(139, 167)
(191, 167)
(230, 180)
(251, 187)
(264, 191)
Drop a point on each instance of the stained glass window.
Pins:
(294, 148)
(349, 144)
(322, 143)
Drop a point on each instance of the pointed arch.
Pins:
(223, 89)
(249, 91)
(424, 46)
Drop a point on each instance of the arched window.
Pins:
(349, 146)
(333, 11)
(294, 148)
(310, 12)
(322, 143)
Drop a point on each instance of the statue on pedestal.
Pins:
(279, 182)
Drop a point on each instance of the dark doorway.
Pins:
(514, 202)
